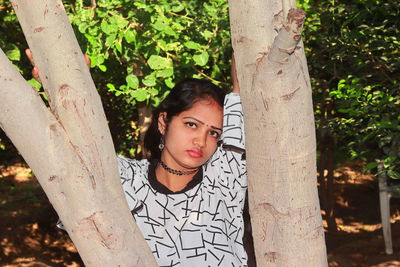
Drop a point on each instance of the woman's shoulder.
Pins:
(127, 165)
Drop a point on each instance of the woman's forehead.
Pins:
(206, 110)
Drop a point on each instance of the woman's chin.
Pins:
(191, 164)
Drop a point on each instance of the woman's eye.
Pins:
(191, 124)
(214, 134)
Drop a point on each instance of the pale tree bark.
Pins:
(69, 146)
(280, 135)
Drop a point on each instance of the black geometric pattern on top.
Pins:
(202, 226)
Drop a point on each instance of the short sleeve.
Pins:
(127, 171)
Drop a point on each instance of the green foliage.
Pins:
(144, 46)
(353, 53)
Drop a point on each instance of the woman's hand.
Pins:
(35, 70)
(235, 82)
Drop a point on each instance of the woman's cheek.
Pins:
(213, 143)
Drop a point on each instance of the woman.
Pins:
(188, 198)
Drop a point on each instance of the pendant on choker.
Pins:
(177, 172)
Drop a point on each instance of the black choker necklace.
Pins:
(176, 172)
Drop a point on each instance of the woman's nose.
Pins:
(200, 140)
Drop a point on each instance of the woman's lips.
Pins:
(195, 153)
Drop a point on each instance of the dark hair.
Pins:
(181, 98)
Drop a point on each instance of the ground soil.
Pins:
(28, 236)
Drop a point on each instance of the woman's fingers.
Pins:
(35, 74)
(87, 60)
(28, 54)
(35, 70)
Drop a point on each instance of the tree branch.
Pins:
(69, 147)
(288, 37)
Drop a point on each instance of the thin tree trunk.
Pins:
(280, 137)
(330, 189)
(69, 146)
(326, 163)
(321, 178)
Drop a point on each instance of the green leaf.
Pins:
(178, 7)
(168, 82)
(192, 45)
(158, 25)
(163, 27)
(157, 62)
(108, 28)
(201, 59)
(14, 54)
(130, 36)
(140, 95)
(103, 68)
(393, 174)
(207, 34)
(82, 27)
(110, 40)
(35, 83)
(111, 87)
(149, 80)
(132, 81)
(121, 22)
(169, 31)
(371, 165)
(153, 91)
(168, 72)
(118, 46)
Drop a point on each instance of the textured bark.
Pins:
(280, 137)
(69, 146)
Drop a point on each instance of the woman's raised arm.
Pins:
(235, 82)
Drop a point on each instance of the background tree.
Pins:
(353, 53)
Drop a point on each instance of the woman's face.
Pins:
(191, 136)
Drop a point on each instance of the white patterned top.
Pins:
(201, 225)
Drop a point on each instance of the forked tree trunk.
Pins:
(70, 150)
(280, 133)
(69, 146)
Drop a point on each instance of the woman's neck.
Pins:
(172, 181)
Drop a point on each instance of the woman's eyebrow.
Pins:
(199, 121)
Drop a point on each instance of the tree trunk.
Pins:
(70, 149)
(326, 162)
(69, 146)
(280, 134)
(330, 190)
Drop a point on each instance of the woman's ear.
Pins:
(162, 125)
